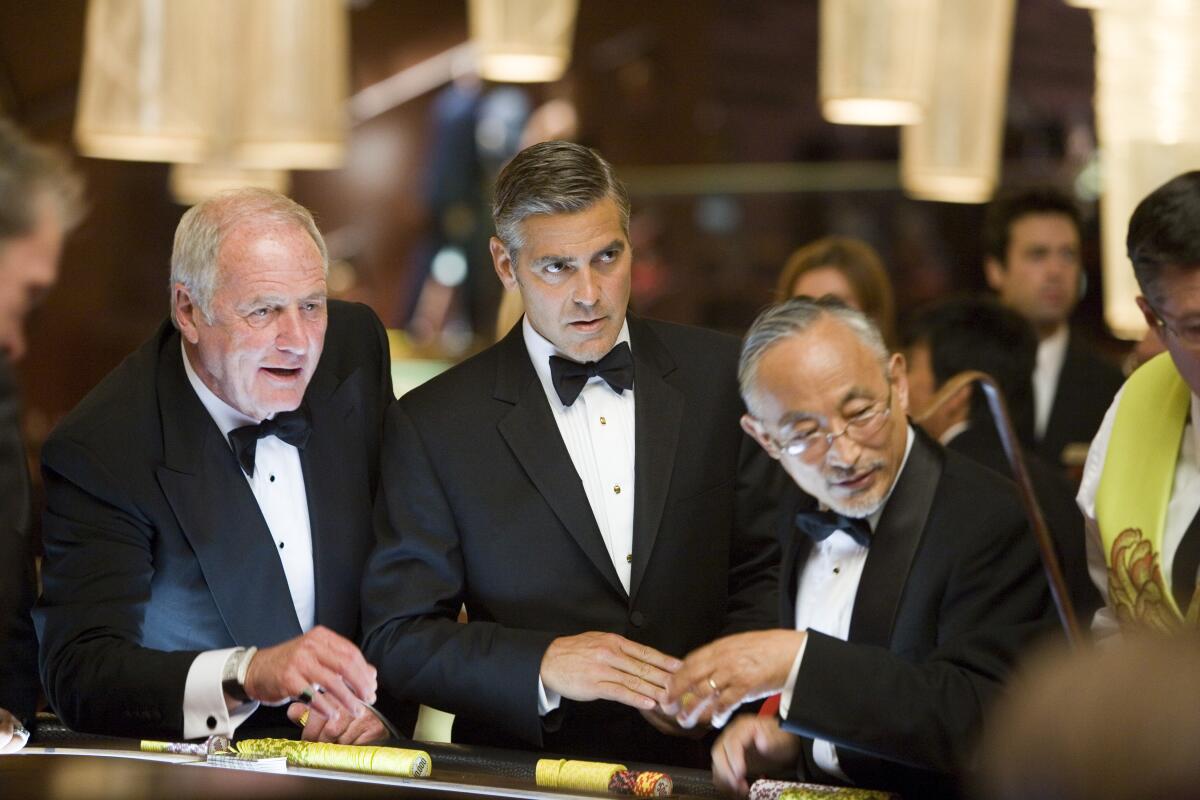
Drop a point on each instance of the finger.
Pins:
(636, 684)
(735, 757)
(367, 730)
(618, 692)
(649, 655)
(642, 670)
(326, 705)
(338, 654)
(723, 777)
(336, 689)
(295, 712)
(699, 713)
(334, 729)
(315, 730)
(689, 678)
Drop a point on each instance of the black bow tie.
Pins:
(820, 525)
(293, 427)
(616, 369)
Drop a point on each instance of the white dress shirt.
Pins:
(278, 487)
(1181, 508)
(827, 586)
(1051, 353)
(598, 431)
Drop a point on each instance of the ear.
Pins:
(995, 273)
(759, 434)
(1148, 313)
(186, 313)
(506, 270)
(898, 368)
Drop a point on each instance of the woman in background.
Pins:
(850, 270)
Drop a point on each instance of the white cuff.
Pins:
(785, 696)
(824, 753)
(547, 700)
(205, 712)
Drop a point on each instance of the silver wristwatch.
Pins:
(233, 675)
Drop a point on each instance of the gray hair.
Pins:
(792, 318)
(28, 173)
(205, 225)
(553, 177)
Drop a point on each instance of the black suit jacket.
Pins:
(1054, 493)
(19, 683)
(951, 592)
(481, 504)
(1086, 386)
(156, 549)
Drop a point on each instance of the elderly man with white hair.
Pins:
(209, 503)
(905, 598)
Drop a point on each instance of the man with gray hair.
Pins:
(209, 503)
(905, 598)
(40, 201)
(582, 486)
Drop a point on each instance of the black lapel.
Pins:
(218, 514)
(533, 436)
(894, 544)
(658, 412)
(331, 491)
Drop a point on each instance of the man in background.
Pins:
(980, 334)
(1032, 243)
(1140, 493)
(40, 201)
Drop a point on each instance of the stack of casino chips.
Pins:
(641, 784)
(595, 776)
(785, 790)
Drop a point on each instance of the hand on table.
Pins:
(365, 729)
(13, 735)
(715, 679)
(321, 662)
(606, 666)
(750, 746)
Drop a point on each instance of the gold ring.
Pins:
(304, 719)
(713, 685)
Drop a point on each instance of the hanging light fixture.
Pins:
(1147, 124)
(291, 111)
(874, 64)
(953, 154)
(141, 94)
(522, 41)
(242, 88)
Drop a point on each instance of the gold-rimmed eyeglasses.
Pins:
(812, 444)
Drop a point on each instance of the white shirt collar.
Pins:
(1052, 350)
(226, 416)
(951, 433)
(540, 349)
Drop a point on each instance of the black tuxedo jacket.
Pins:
(481, 504)
(1085, 390)
(951, 592)
(19, 683)
(1055, 495)
(156, 549)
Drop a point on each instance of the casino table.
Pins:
(62, 765)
